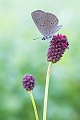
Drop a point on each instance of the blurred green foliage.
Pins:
(19, 54)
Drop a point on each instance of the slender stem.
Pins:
(34, 105)
(46, 91)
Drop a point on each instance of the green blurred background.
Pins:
(19, 54)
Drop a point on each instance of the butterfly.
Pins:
(47, 23)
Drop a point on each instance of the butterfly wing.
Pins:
(55, 29)
(47, 22)
(36, 16)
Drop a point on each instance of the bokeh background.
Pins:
(19, 54)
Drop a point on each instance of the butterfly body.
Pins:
(46, 23)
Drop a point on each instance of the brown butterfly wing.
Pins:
(55, 29)
(45, 22)
(36, 16)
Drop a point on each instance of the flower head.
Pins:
(58, 45)
(28, 82)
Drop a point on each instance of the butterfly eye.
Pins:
(43, 38)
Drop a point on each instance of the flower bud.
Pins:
(58, 45)
(28, 82)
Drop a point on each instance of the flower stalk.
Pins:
(34, 105)
(58, 45)
(46, 91)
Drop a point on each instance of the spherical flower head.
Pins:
(28, 82)
(58, 45)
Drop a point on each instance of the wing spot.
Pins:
(43, 25)
(40, 25)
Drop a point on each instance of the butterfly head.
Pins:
(46, 37)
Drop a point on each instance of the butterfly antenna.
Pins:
(36, 38)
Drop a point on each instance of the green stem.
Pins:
(46, 91)
(34, 105)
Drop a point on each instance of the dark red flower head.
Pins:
(58, 45)
(28, 82)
